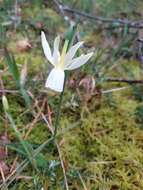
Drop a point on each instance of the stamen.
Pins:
(64, 50)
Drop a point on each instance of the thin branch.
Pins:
(8, 91)
(62, 12)
(124, 80)
(114, 90)
(122, 22)
(82, 181)
(59, 6)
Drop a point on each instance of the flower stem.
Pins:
(69, 36)
(58, 113)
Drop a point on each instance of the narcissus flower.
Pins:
(65, 61)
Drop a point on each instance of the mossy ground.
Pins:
(100, 134)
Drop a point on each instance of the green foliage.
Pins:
(12, 67)
(100, 135)
(10, 60)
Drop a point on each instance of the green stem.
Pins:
(58, 113)
(70, 36)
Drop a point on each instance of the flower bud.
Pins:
(5, 103)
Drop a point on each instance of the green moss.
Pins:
(103, 135)
(107, 147)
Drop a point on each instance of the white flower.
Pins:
(65, 61)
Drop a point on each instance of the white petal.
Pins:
(56, 53)
(55, 80)
(79, 61)
(46, 47)
(71, 53)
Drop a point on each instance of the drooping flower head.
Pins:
(61, 62)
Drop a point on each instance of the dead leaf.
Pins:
(4, 140)
(88, 83)
(23, 45)
(4, 168)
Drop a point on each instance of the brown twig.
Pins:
(2, 174)
(31, 125)
(124, 80)
(114, 90)
(3, 91)
(82, 181)
(62, 12)
(121, 22)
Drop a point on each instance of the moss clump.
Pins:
(107, 147)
